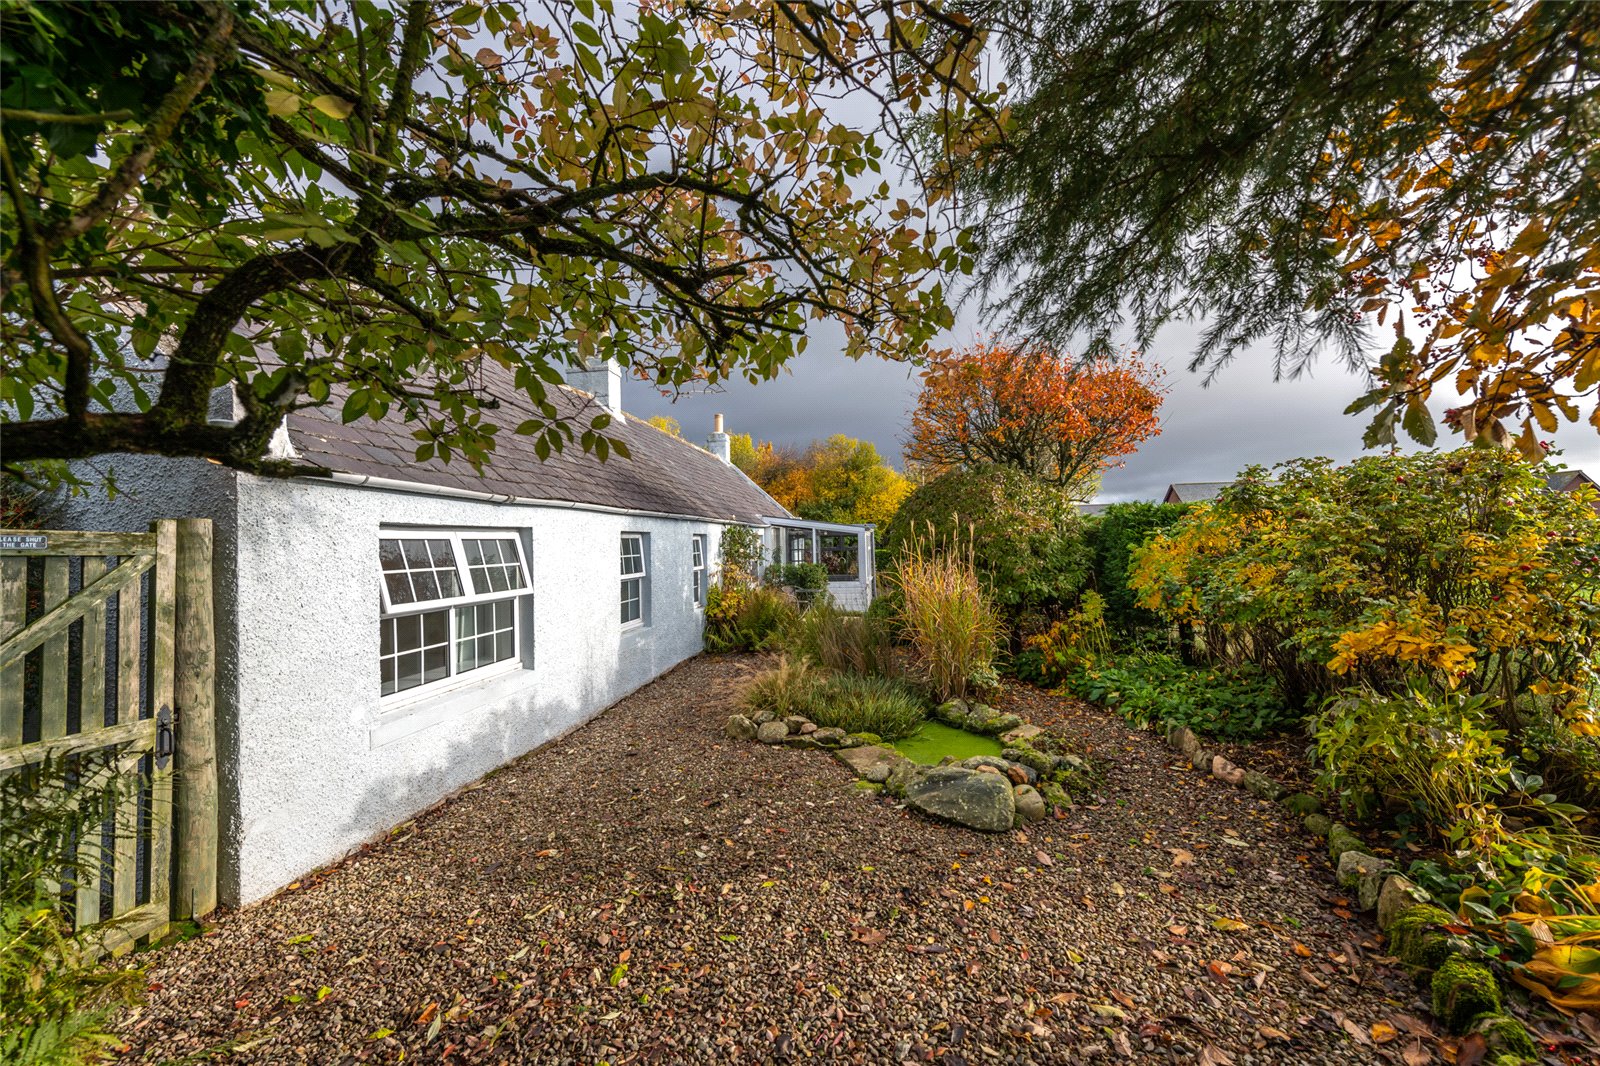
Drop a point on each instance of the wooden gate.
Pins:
(106, 666)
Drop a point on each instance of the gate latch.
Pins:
(163, 750)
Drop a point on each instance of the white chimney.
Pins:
(718, 443)
(603, 380)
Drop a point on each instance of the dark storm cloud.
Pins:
(1208, 434)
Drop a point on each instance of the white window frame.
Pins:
(469, 598)
(697, 567)
(642, 576)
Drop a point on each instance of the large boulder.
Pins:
(965, 797)
(740, 728)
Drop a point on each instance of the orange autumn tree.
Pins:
(1036, 409)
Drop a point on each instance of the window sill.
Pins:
(427, 709)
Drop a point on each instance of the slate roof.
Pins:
(665, 474)
(1567, 480)
(1194, 491)
(1089, 510)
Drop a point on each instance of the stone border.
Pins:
(989, 793)
(1465, 993)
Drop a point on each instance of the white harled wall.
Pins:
(321, 766)
(312, 763)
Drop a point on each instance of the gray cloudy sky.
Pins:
(1207, 434)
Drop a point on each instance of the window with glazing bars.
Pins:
(633, 579)
(698, 567)
(449, 604)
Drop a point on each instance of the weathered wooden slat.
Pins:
(125, 851)
(53, 665)
(162, 653)
(130, 612)
(196, 828)
(141, 735)
(92, 690)
(80, 542)
(58, 619)
(13, 616)
(97, 775)
(92, 711)
(118, 936)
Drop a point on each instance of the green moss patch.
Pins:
(1415, 938)
(1507, 1039)
(1463, 990)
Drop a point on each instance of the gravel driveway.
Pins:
(646, 891)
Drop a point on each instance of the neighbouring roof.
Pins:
(1194, 491)
(1567, 480)
(665, 474)
(1088, 510)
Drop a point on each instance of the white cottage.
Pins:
(393, 630)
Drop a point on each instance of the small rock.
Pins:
(975, 761)
(1025, 731)
(1397, 894)
(1318, 824)
(1261, 786)
(952, 712)
(1303, 803)
(796, 723)
(1037, 761)
(762, 717)
(1341, 840)
(800, 741)
(1019, 775)
(878, 773)
(863, 758)
(771, 732)
(1030, 805)
(1201, 760)
(1225, 771)
(807, 728)
(740, 728)
(1364, 873)
(829, 736)
(985, 768)
(1184, 740)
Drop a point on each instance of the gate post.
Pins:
(194, 714)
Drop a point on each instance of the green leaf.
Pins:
(282, 103)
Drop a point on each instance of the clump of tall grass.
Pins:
(855, 703)
(791, 687)
(945, 614)
(847, 643)
(859, 703)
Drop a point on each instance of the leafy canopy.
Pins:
(1288, 172)
(1035, 409)
(360, 204)
(840, 479)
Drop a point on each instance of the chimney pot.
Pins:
(719, 444)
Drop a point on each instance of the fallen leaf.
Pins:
(1267, 1032)
(427, 1013)
(1301, 950)
(1383, 1032)
(1219, 970)
(1358, 1034)
(1211, 1055)
(1415, 1054)
(1178, 930)
(1182, 857)
(1230, 925)
(1474, 1049)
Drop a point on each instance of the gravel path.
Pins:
(646, 891)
